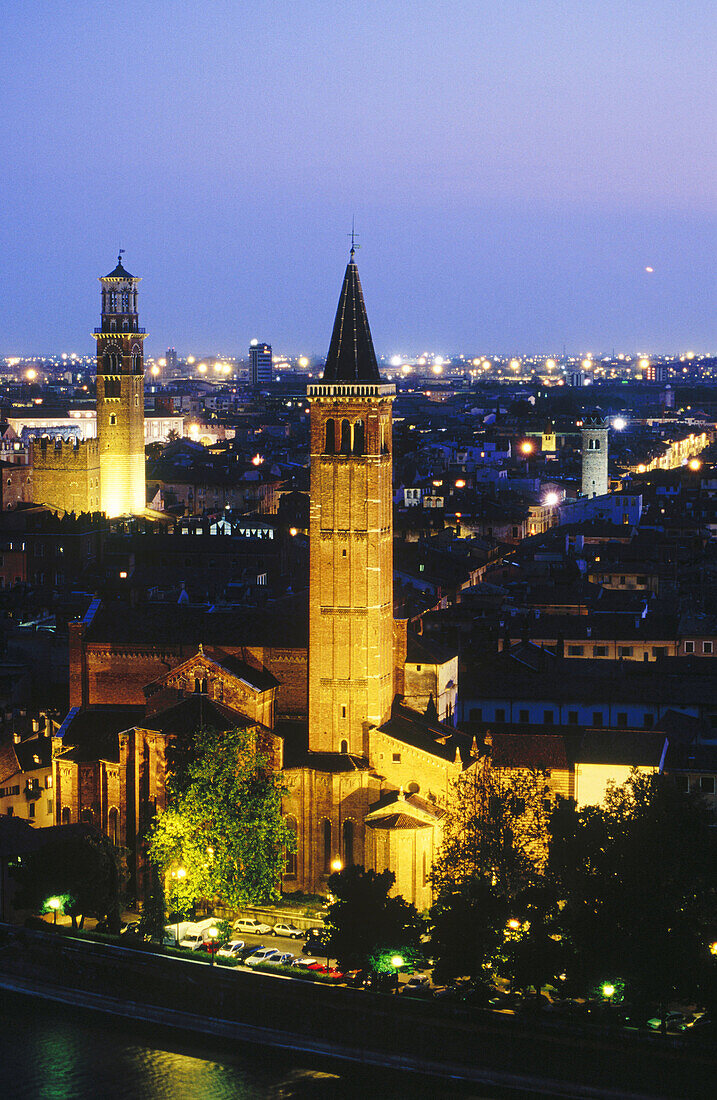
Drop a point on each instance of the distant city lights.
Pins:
(619, 423)
(551, 499)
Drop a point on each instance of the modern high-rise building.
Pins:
(120, 396)
(594, 456)
(260, 370)
(350, 537)
(170, 359)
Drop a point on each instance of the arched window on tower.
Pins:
(66, 815)
(345, 437)
(348, 843)
(86, 817)
(327, 847)
(359, 437)
(125, 301)
(113, 825)
(330, 447)
(291, 857)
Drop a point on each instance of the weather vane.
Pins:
(353, 235)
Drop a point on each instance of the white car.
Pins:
(252, 926)
(231, 950)
(303, 964)
(288, 930)
(265, 954)
(192, 940)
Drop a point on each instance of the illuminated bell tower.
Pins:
(351, 536)
(120, 396)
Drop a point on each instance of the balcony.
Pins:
(120, 332)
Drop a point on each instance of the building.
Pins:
(170, 360)
(83, 474)
(594, 456)
(120, 396)
(260, 364)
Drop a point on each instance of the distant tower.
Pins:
(351, 536)
(594, 437)
(260, 371)
(120, 396)
(170, 360)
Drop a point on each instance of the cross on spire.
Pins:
(353, 234)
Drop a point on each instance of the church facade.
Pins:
(368, 752)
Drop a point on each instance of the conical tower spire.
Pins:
(351, 357)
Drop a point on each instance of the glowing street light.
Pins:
(303, 362)
(337, 864)
(608, 990)
(694, 464)
(213, 933)
(514, 924)
(619, 423)
(54, 904)
(551, 499)
(526, 447)
(154, 370)
(31, 375)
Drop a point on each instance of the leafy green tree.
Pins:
(366, 926)
(496, 827)
(534, 951)
(637, 878)
(223, 825)
(81, 867)
(468, 920)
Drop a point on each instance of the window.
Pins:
(547, 717)
(65, 815)
(327, 847)
(359, 437)
(575, 651)
(397, 758)
(597, 718)
(418, 668)
(599, 651)
(707, 647)
(689, 647)
(113, 825)
(330, 446)
(624, 651)
(344, 746)
(476, 714)
(622, 719)
(348, 843)
(345, 437)
(682, 783)
(572, 717)
(659, 651)
(113, 420)
(48, 782)
(343, 712)
(500, 714)
(523, 716)
(291, 857)
(49, 805)
(707, 784)
(10, 811)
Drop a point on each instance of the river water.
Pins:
(50, 1052)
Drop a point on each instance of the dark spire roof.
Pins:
(351, 357)
(119, 272)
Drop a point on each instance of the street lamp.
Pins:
(177, 875)
(54, 904)
(337, 864)
(396, 963)
(213, 933)
(608, 991)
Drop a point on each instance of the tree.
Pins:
(78, 865)
(367, 927)
(223, 826)
(637, 878)
(496, 828)
(468, 919)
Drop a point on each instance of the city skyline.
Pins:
(510, 192)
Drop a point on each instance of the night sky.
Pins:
(513, 167)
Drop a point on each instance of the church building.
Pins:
(368, 752)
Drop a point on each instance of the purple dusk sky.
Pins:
(513, 166)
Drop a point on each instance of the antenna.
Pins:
(353, 236)
(121, 254)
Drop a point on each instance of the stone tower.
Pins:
(594, 452)
(120, 396)
(351, 536)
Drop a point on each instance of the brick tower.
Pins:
(351, 536)
(594, 456)
(120, 396)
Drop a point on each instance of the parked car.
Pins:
(417, 985)
(252, 926)
(303, 964)
(231, 950)
(315, 942)
(288, 930)
(265, 954)
(284, 958)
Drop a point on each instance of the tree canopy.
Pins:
(366, 926)
(223, 825)
(78, 865)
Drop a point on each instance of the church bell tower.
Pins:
(351, 536)
(120, 396)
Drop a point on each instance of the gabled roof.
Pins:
(351, 357)
(256, 679)
(395, 810)
(194, 712)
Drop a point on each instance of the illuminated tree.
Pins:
(223, 826)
